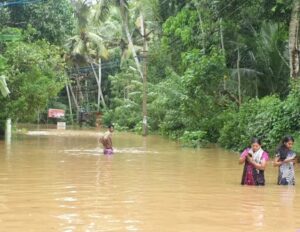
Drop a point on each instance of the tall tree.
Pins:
(294, 40)
(140, 6)
(52, 19)
(87, 45)
(35, 72)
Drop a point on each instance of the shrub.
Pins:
(259, 118)
(193, 138)
(268, 118)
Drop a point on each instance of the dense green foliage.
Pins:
(217, 71)
(35, 72)
(193, 79)
(268, 118)
(33, 66)
(52, 19)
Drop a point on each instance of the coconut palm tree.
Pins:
(144, 10)
(87, 45)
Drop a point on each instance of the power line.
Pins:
(20, 2)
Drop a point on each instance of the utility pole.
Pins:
(145, 50)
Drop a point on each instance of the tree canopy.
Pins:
(184, 68)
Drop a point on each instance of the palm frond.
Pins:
(78, 47)
(102, 10)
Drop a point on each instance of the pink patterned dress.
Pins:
(251, 175)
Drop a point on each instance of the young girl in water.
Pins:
(255, 160)
(285, 159)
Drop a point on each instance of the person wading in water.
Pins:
(255, 160)
(106, 140)
(285, 159)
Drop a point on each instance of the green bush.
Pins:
(107, 117)
(193, 138)
(172, 125)
(268, 118)
(296, 147)
(259, 118)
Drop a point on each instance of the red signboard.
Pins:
(56, 113)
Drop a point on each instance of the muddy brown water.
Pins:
(60, 181)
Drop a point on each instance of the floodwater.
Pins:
(60, 181)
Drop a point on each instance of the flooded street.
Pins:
(53, 181)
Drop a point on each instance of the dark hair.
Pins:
(282, 150)
(110, 126)
(256, 140)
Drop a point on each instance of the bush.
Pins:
(193, 138)
(126, 116)
(296, 147)
(268, 118)
(107, 117)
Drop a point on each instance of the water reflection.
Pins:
(287, 195)
(254, 203)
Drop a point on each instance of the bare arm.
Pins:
(242, 160)
(293, 160)
(258, 166)
(243, 156)
(277, 162)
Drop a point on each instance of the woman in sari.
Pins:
(285, 159)
(255, 160)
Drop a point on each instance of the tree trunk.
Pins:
(70, 103)
(74, 97)
(75, 101)
(145, 50)
(98, 80)
(99, 85)
(293, 40)
(202, 29)
(239, 77)
(79, 90)
(100, 93)
(223, 50)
